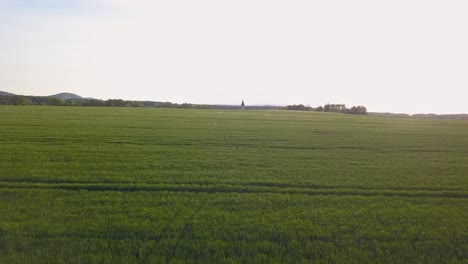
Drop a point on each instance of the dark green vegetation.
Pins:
(330, 108)
(106, 185)
(69, 99)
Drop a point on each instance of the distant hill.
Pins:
(66, 96)
(2, 93)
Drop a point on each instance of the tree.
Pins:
(299, 107)
(4, 100)
(136, 104)
(358, 110)
(319, 109)
(116, 103)
(21, 100)
(55, 101)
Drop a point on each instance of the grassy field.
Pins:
(140, 185)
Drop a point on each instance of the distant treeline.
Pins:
(335, 108)
(55, 101)
(429, 116)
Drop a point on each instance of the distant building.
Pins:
(242, 105)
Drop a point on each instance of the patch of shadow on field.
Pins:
(113, 236)
(228, 140)
(237, 189)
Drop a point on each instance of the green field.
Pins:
(141, 185)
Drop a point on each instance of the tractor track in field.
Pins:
(28, 181)
(241, 189)
(229, 140)
(227, 136)
(163, 232)
(186, 228)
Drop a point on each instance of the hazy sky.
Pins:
(399, 56)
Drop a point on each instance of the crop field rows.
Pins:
(128, 185)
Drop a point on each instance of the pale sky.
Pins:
(391, 56)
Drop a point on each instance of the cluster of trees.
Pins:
(301, 107)
(15, 100)
(335, 108)
(434, 116)
(33, 100)
(56, 101)
(357, 110)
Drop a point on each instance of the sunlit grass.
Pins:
(159, 185)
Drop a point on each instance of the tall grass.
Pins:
(100, 185)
